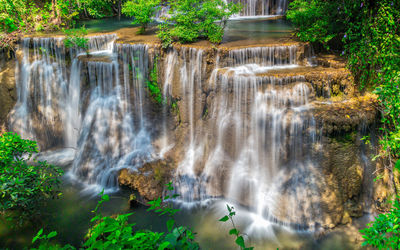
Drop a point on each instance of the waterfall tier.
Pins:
(93, 106)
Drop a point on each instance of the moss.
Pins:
(175, 110)
(152, 84)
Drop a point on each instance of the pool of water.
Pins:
(257, 29)
(236, 30)
(70, 217)
(106, 24)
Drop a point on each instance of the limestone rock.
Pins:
(149, 180)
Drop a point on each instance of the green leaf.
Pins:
(240, 241)
(397, 165)
(52, 235)
(170, 224)
(37, 235)
(234, 231)
(224, 219)
(163, 245)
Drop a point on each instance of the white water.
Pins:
(254, 146)
(252, 9)
(101, 120)
(261, 8)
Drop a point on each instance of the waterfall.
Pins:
(254, 147)
(259, 8)
(83, 104)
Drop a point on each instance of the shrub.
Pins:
(193, 19)
(77, 39)
(24, 186)
(317, 21)
(384, 232)
(142, 11)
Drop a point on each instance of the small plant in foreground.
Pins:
(114, 232)
(234, 231)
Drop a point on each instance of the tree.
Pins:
(142, 11)
(193, 19)
(24, 186)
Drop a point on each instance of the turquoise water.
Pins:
(236, 30)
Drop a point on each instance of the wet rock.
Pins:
(8, 95)
(347, 115)
(149, 180)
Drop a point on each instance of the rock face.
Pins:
(8, 94)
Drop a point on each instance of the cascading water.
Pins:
(259, 8)
(254, 147)
(85, 106)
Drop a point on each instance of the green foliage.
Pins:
(49, 15)
(24, 186)
(45, 242)
(384, 232)
(96, 8)
(193, 19)
(12, 14)
(77, 39)
(370, 32)
(142, 11)
(316, 20)
(152, 84)
(116, 233)
(239, 240)
(178, 237)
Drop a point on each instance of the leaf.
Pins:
(163, 245)
(37, 235)
(224, 219)
(52, 235)
(240, 241)
(397, 165)
(234, 231)
(170, 224)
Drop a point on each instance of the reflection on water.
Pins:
(237, 30)
(107, 24)
(241, 29)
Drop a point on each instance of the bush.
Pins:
(77, 39)
(317, 21)
(193, 19)
(384, 232)
(142, 11)
(24, 186)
